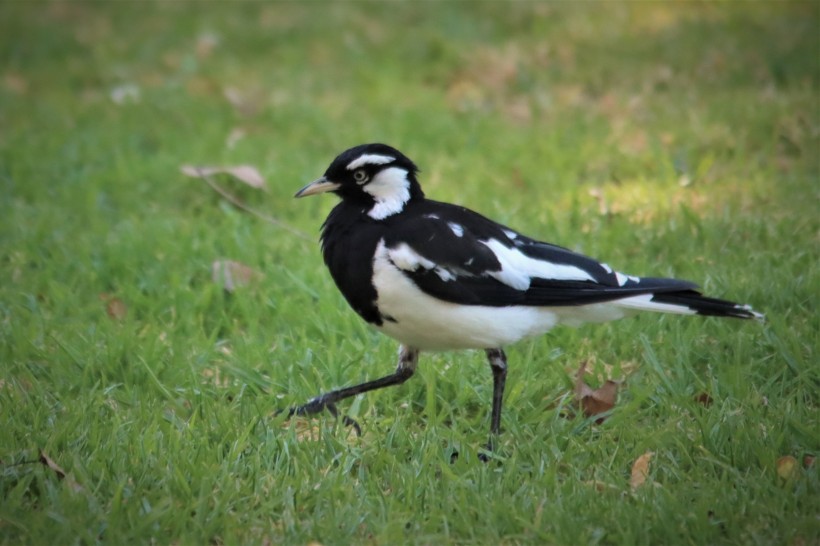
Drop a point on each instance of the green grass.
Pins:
(667, 139)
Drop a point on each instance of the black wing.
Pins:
(457, 255)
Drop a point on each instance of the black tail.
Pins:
(702, 305)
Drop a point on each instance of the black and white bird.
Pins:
(437, 277)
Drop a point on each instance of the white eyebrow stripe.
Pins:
(369, 159)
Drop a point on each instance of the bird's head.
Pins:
(376, 176)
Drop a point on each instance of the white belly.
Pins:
(426, 323)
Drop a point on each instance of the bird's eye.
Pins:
(360, 176)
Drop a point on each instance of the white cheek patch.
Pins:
(391, 190)
(369, 159)
(517, 269)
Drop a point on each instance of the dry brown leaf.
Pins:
(244, 173)
(236, 134)
(249, 175)
(15, 82)
(248, 103)
(205, 44)
(49, 462)
(640, 470)
(786, 467)
(58, 470)
(595, 401)
(704, 399)
(114, 306)
(232, 275)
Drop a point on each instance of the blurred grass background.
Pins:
(666, 138)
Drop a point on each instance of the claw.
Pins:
(486, 455)
(318, 404)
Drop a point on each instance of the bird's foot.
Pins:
(486, 455)
(316, 405)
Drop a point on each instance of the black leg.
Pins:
(498, 365)
(408, 358)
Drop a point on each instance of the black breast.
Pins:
(349, 240)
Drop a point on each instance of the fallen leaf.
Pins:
(704, 399)
(57, 469)
(236, 134)
(15, 82)
(249, 175)
(114, 306)
(595, 401)
(786, 467)
(247, 103)
(205, 44)
(640, 470)
(232, 275)
(244, 173)
(49, 462)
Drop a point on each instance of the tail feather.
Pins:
(697, 303)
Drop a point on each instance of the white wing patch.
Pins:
(644, 302)
(369, 159)
(517, 269)
(457, 229)
(407, 259)
(622, 279)
(391, 191)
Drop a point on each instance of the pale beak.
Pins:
(321, 185)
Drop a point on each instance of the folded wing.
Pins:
(459, 256)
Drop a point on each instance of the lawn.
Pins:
(139, 397)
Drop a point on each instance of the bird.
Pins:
(440, 277)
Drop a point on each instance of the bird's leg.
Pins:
(498, 365)
(408, 358)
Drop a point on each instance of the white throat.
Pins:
(391, 190)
